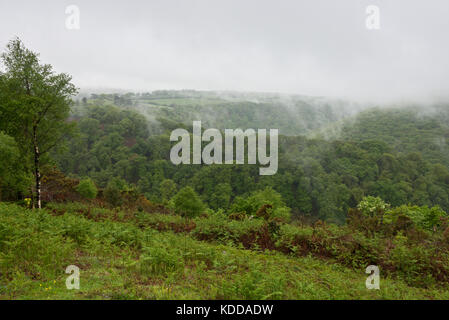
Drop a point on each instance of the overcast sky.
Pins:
(313, 47)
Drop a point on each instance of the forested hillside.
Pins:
(406, 130)
(396, 154)
(291, 114)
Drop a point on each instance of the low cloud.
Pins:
(305, 47)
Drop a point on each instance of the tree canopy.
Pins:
(35, 105)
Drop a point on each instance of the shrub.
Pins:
(422, 217)
(112, 193)
(283, 214)
(266, 203)
(188, 203)
(372, 206)
(87, 189)
(57, 187)
(239, 216)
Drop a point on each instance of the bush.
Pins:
(423, 217)
(112, 193)
(188, 203)
(283, 214)
(372, 206)
(266, 203)
(220, 228)
(87, 189)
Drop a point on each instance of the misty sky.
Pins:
(313, 47)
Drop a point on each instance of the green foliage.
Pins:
(423, 217)
(87, 189)
(319, 179)
(24, 237)
(35, 104)
(187, 202)
(35, 248)
(282, 214)
(13, 175)
(157, 260)
(372, 206)
(219, 228)
(221, 196)
(407, 130)
(268, 199)
(393, 154)
(398, 155)
(113, 191)
(168, 189)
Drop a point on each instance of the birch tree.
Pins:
(35, 104)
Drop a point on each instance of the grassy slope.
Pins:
(119, 260)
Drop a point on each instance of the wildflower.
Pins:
(27, 201)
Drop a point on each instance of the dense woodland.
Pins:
(398, 154)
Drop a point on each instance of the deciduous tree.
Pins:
(34, 105)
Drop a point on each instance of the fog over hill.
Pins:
(291, 114)
(314, 116)
(318, 48)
